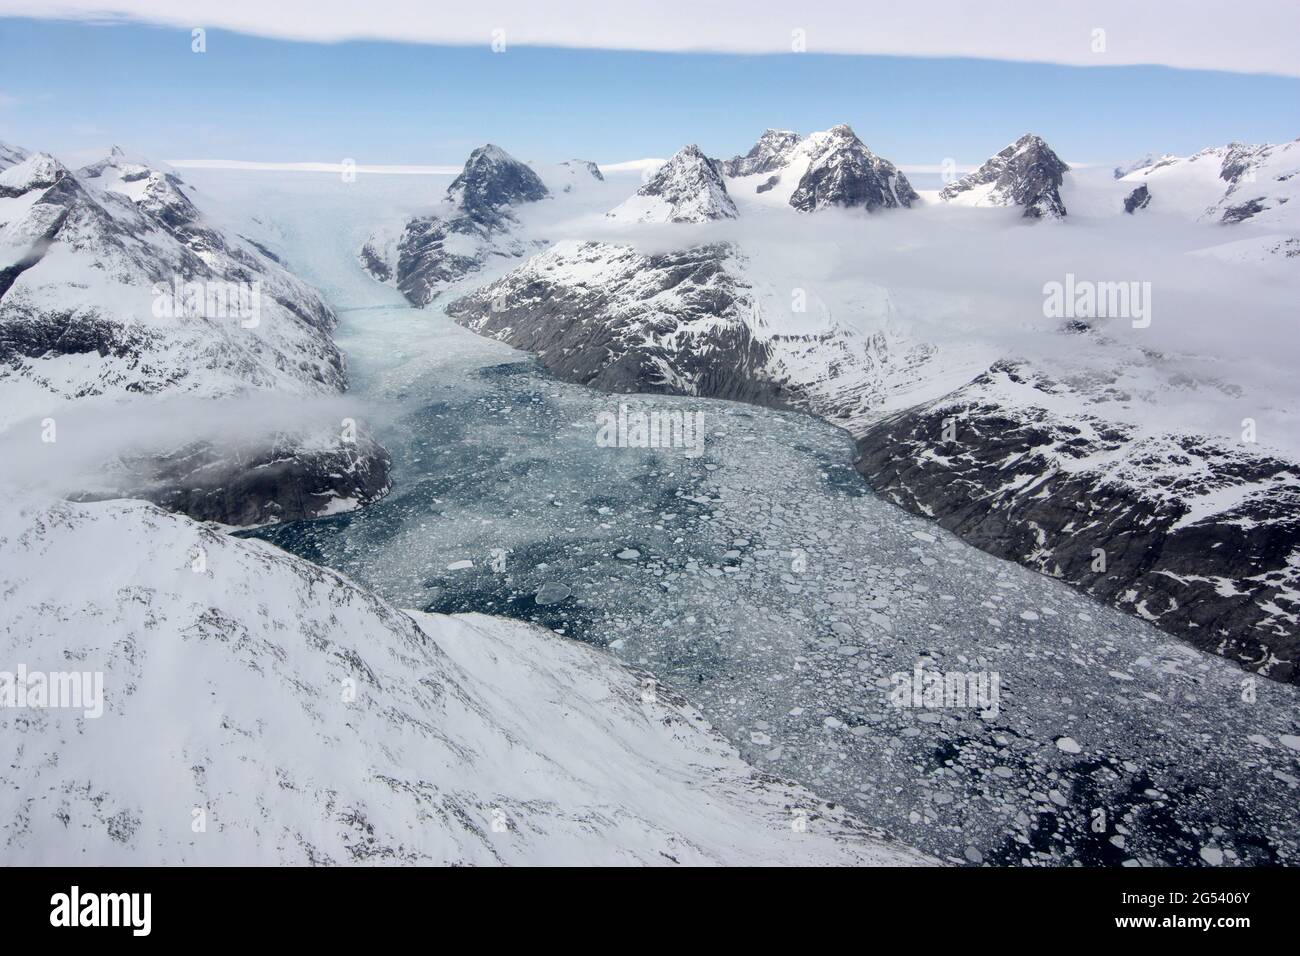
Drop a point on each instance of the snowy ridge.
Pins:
(303, 720)
(1228, 184)
(773, 150)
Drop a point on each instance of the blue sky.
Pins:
(73, 87)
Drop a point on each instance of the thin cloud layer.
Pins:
(1257, 36)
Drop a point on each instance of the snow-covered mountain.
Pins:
(1227, 184)
(1026, 173)
(832, 168)
(687, 188)
(259, 709)
(115, 286)
(841, 171)
(472, 226)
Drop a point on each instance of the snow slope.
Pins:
(260, 709)
(119, 295)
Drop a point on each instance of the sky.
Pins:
(74, 87)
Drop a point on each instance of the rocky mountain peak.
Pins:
(687, 188)
(842, 171)
(771, 152)
(492, 179)
(1026, 173)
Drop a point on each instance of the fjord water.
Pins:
(765, 583)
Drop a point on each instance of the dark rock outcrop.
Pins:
(1139, 198)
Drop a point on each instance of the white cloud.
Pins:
(1249, 36)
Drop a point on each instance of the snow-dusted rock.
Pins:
(687, 188)
(1139, 198)
(699, 321)
(492, 181)
(841, 171)
(257, 709)
(10, 154)
(1027, 174)
(1183, 529)
(773, 150)
(474, 225)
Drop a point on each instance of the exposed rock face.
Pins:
(116, 286)
(1244, 211)
(1139, 198)
(772, 151)
(689, 322)
(843, 172)
(434, 252)
(491, 181)
(1027, 173)
(1186, 531)
(687, 188)
(659, 323)
(430, 252)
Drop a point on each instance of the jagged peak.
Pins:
(842, 171)
(771, 151)
(1024, 173)
(491, 179)
(689, 187)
